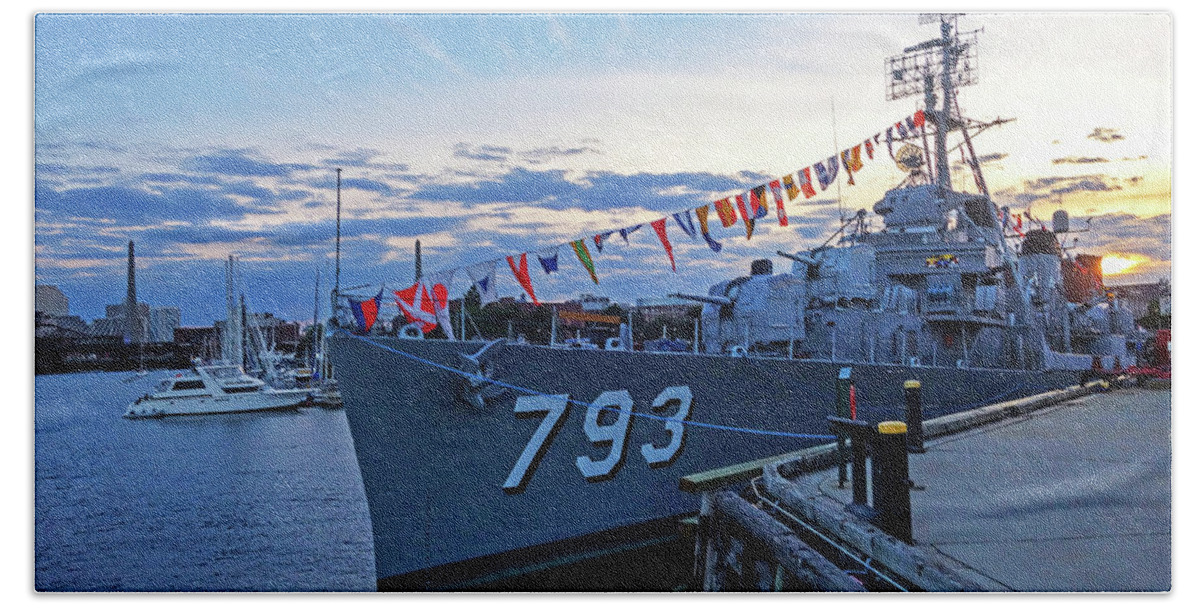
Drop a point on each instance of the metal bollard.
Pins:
(860, 434)
(842, 410)
(890, 485)
(914, 417)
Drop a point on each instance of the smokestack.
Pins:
(417, 264)
(133, 326)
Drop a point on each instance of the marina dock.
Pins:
(1068, 491)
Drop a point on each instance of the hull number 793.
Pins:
(555, 410)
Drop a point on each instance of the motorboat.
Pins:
(213, 389)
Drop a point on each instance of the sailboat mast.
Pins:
(417, 262)
(337, 257)
(242, 335)
(316, 314)
(231, 343)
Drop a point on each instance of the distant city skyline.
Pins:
(200, 136)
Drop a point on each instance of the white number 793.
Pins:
(614, 434)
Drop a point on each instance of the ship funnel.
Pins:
(760, 267)
(1060, 221)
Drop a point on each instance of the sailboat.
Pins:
(325, 393)
(217, 389)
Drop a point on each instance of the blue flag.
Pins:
(549, 259)
(684, 219)
(365, 312)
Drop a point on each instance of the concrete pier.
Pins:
(1024, 496)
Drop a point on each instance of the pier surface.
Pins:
(1072, 497)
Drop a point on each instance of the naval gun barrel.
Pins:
(803, 259)
(715, 300)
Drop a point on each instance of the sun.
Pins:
(1121, 263)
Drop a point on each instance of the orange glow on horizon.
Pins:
(1113, 264)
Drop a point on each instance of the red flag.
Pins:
(725, 212)
(660, 227)
(521, 271)
(870, 148)
(1017, 228)
(365, 312)
(919, 118)
(418, 306)
(806, 182)
(746, 217)
(757, 207)
(777, 190)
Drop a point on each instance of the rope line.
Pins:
(926, 409)
(529, 391)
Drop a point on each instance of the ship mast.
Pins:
(949, 61)
(943, 117)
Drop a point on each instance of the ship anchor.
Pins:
(478, 387)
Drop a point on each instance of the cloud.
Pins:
(64, 170)
(129, 205)
(482, 152)
(594, 191)
(240, 163)
(1127, 233)
(369, 185)
(1079, 160)
(1105, 135)
(516, 186)
(363, 158)
(541, 155)
(1087, 184)
(1050, 187)
(533, 156)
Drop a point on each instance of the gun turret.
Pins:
(803, 259)
(714, 300)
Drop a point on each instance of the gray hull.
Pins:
(434, 466)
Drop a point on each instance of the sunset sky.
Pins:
(199, 136)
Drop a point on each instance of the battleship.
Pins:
(477, 454)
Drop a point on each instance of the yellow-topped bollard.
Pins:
(889, 480)
(913, 416)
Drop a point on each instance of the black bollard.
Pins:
(842, 410)
(890, 485)
(860, 434)
(914, 417)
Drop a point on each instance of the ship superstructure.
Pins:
(939, 284)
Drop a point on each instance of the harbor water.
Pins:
(237, 502)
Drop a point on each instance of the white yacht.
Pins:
(213, 389)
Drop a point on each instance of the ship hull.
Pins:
(448, 481)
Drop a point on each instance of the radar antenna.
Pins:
(951, 59)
